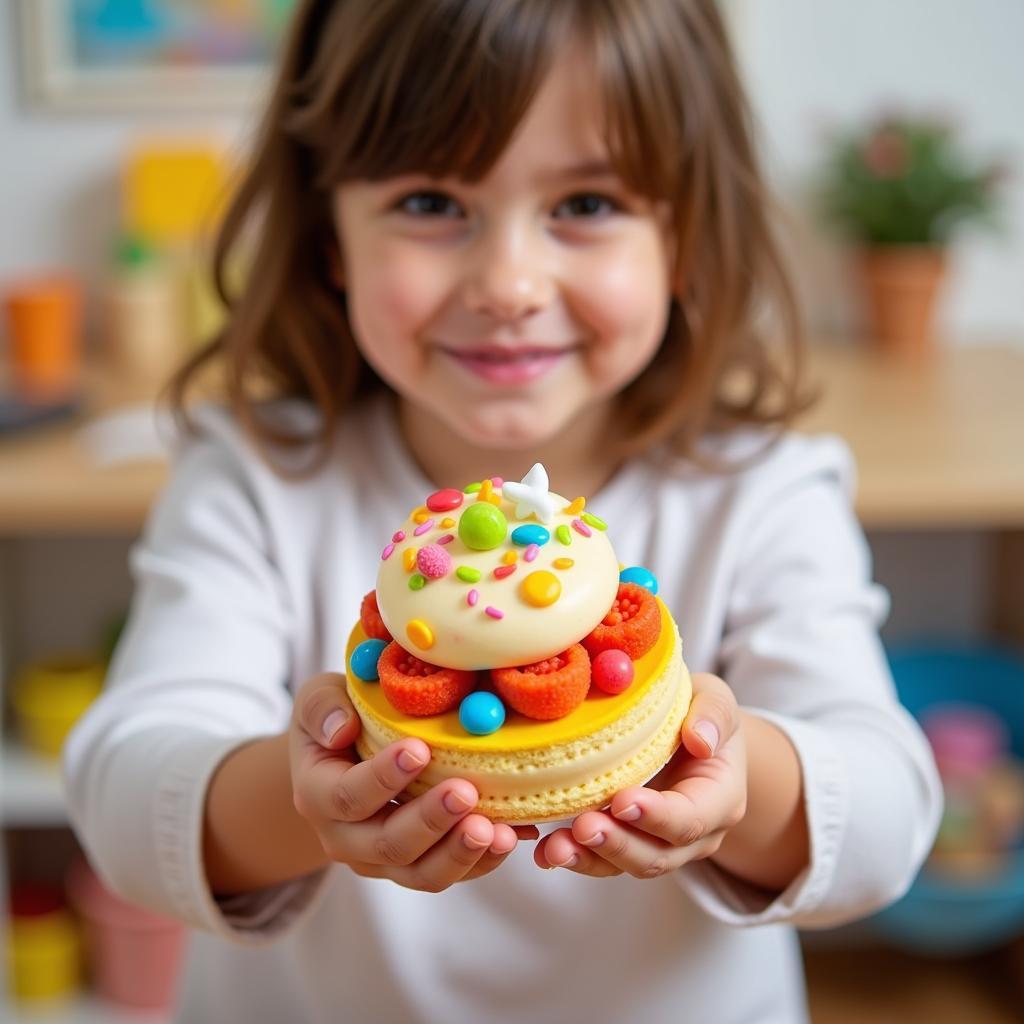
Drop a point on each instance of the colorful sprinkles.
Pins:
(482, 517)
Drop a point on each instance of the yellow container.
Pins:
(44, 956)
(50, 696)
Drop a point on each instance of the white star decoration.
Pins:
(531, 495)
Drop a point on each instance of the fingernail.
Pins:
(471, 842)
(455, 803)
(333, 722)
(708, 733)
(571, 862)
(408, 761)
(595, 840)
(630, 813)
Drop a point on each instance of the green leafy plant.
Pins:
(905, 181)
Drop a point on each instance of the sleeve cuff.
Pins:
(731, 900)
(253, 919)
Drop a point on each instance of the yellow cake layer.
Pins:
(519, 732)
(545, 771)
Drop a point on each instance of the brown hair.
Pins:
(369, 89)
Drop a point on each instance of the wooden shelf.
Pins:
(938, 444)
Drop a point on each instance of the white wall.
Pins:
(810, 64)
(807, 62)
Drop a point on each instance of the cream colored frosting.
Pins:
(468, 637)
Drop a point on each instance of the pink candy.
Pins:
(386, 553)
(472, 597)
(423, 527)
(495, 613)
(530, 553)
(433, 561)
(581, 527)
(399, 536)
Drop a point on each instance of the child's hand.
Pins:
(682, 814)
(428, 843)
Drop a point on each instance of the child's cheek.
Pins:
(625, 305)
(399, 298)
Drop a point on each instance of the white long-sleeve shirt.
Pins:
(248, 584)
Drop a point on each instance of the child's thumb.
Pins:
(325, 712)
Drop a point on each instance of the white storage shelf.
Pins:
(86, 1009)
(31, 794)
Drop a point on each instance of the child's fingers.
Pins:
(452, 859)
(409, 831)
(682, 816)
(560, 850)
(323, 710)
(503, 843)
(636, 853)
(713, 716)
(363, 789)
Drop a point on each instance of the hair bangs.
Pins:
(444, 99)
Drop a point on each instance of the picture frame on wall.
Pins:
(107, 55)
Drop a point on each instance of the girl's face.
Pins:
(504, 309)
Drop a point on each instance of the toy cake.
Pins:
(504, 633)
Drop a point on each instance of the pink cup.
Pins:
(135, 956)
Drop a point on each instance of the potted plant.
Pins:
(897, 188)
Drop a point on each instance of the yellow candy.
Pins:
(409, 559)
(447, 524)
(486, 493)
(541, 588)
(578, 505)
(563, 563)
(510, 557)
(420, 634)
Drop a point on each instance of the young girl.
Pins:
(484, 234)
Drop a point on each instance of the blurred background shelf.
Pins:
(938, 445)
(86, 1009)
(31, 795)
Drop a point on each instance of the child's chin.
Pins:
(506, 428)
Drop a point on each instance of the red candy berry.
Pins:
(416, 687)
(445, 501)
(369, 616)
(548, 689)
(612, 671)
(633, 624)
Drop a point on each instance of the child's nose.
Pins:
(508, 280)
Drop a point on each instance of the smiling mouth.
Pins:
(508, 366)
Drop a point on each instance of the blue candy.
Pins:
(482, 713)
(640, 576)
(365, 658)
(531, 533)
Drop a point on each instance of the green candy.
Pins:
(468, 574)
(594, 521)
(483, 526)
(417, 582)
(563, 534)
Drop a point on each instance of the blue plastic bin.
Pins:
(943, 916)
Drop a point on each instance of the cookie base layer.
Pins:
(531, 772)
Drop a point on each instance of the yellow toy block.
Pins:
(173, 192)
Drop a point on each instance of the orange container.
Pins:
(44, 327)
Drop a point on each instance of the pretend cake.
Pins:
(504, 633)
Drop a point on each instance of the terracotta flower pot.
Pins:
(901, 284)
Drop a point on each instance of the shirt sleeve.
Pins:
(201, 669)
(801, 649)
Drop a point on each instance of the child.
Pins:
(487, 234)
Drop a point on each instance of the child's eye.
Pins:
(587, 205)
(428, 204)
